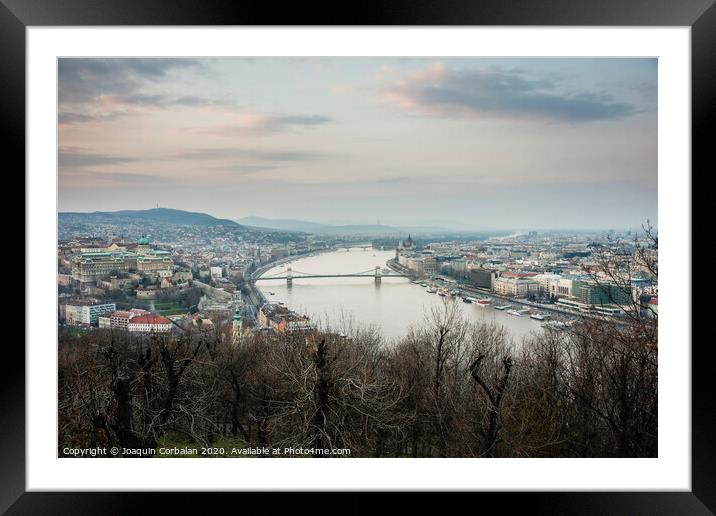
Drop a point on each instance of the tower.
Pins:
(236, 325)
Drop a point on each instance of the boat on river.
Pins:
(503, 307)
(537, 317)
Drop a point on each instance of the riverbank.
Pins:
(563, 313)
(394, 305)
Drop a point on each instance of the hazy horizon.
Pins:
(471, 142)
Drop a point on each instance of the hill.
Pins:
(329, 229)
(165, 215)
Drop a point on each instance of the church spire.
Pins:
(237, 324)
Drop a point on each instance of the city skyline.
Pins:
(476, 143)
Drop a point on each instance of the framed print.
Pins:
(425, 246)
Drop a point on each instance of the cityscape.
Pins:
(110, 272)
(480, 279)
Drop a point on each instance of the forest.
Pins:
(447, 389)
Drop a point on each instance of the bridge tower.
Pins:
(289, 277)
(378, 274)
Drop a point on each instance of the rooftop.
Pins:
(150, 319)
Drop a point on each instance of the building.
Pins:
(516, 284)
(153, 260)
(564, 287)
(418, 264)
(91, 267)
(590, 292)
(483, 278)
(99, 264)
(282, 320)
(404, 246)
(119, 320)
(407, 244)
(548, 284)
(149, 292)
(149, 323)
(430, 265)
(574, 304)
(86, 312)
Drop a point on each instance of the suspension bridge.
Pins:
(289, 275)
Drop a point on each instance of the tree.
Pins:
(494, 395)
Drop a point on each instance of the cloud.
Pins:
(396, 180)
(94, 179)
(83, 80)
(161, 101)
(65, 118)
(281, 155)
(499, 93)
(77, 158)
(259, 124)
(240, 169)
(95, 90)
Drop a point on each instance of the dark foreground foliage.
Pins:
(448, 389)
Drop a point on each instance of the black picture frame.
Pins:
(700, 15)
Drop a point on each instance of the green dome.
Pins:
(143, 241)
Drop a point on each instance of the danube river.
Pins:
(393, 305)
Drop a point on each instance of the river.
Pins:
(393, 305)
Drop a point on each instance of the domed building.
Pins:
(157, 261)
(143, 244)
(404, 246)
(408, 243)
(89, 267)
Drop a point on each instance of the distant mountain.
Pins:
(282, 224)
(329, 229)
(166, 215)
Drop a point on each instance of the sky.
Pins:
(467, 143)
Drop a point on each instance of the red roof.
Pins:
(519, 274)
(150, 319)
(654, 301)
